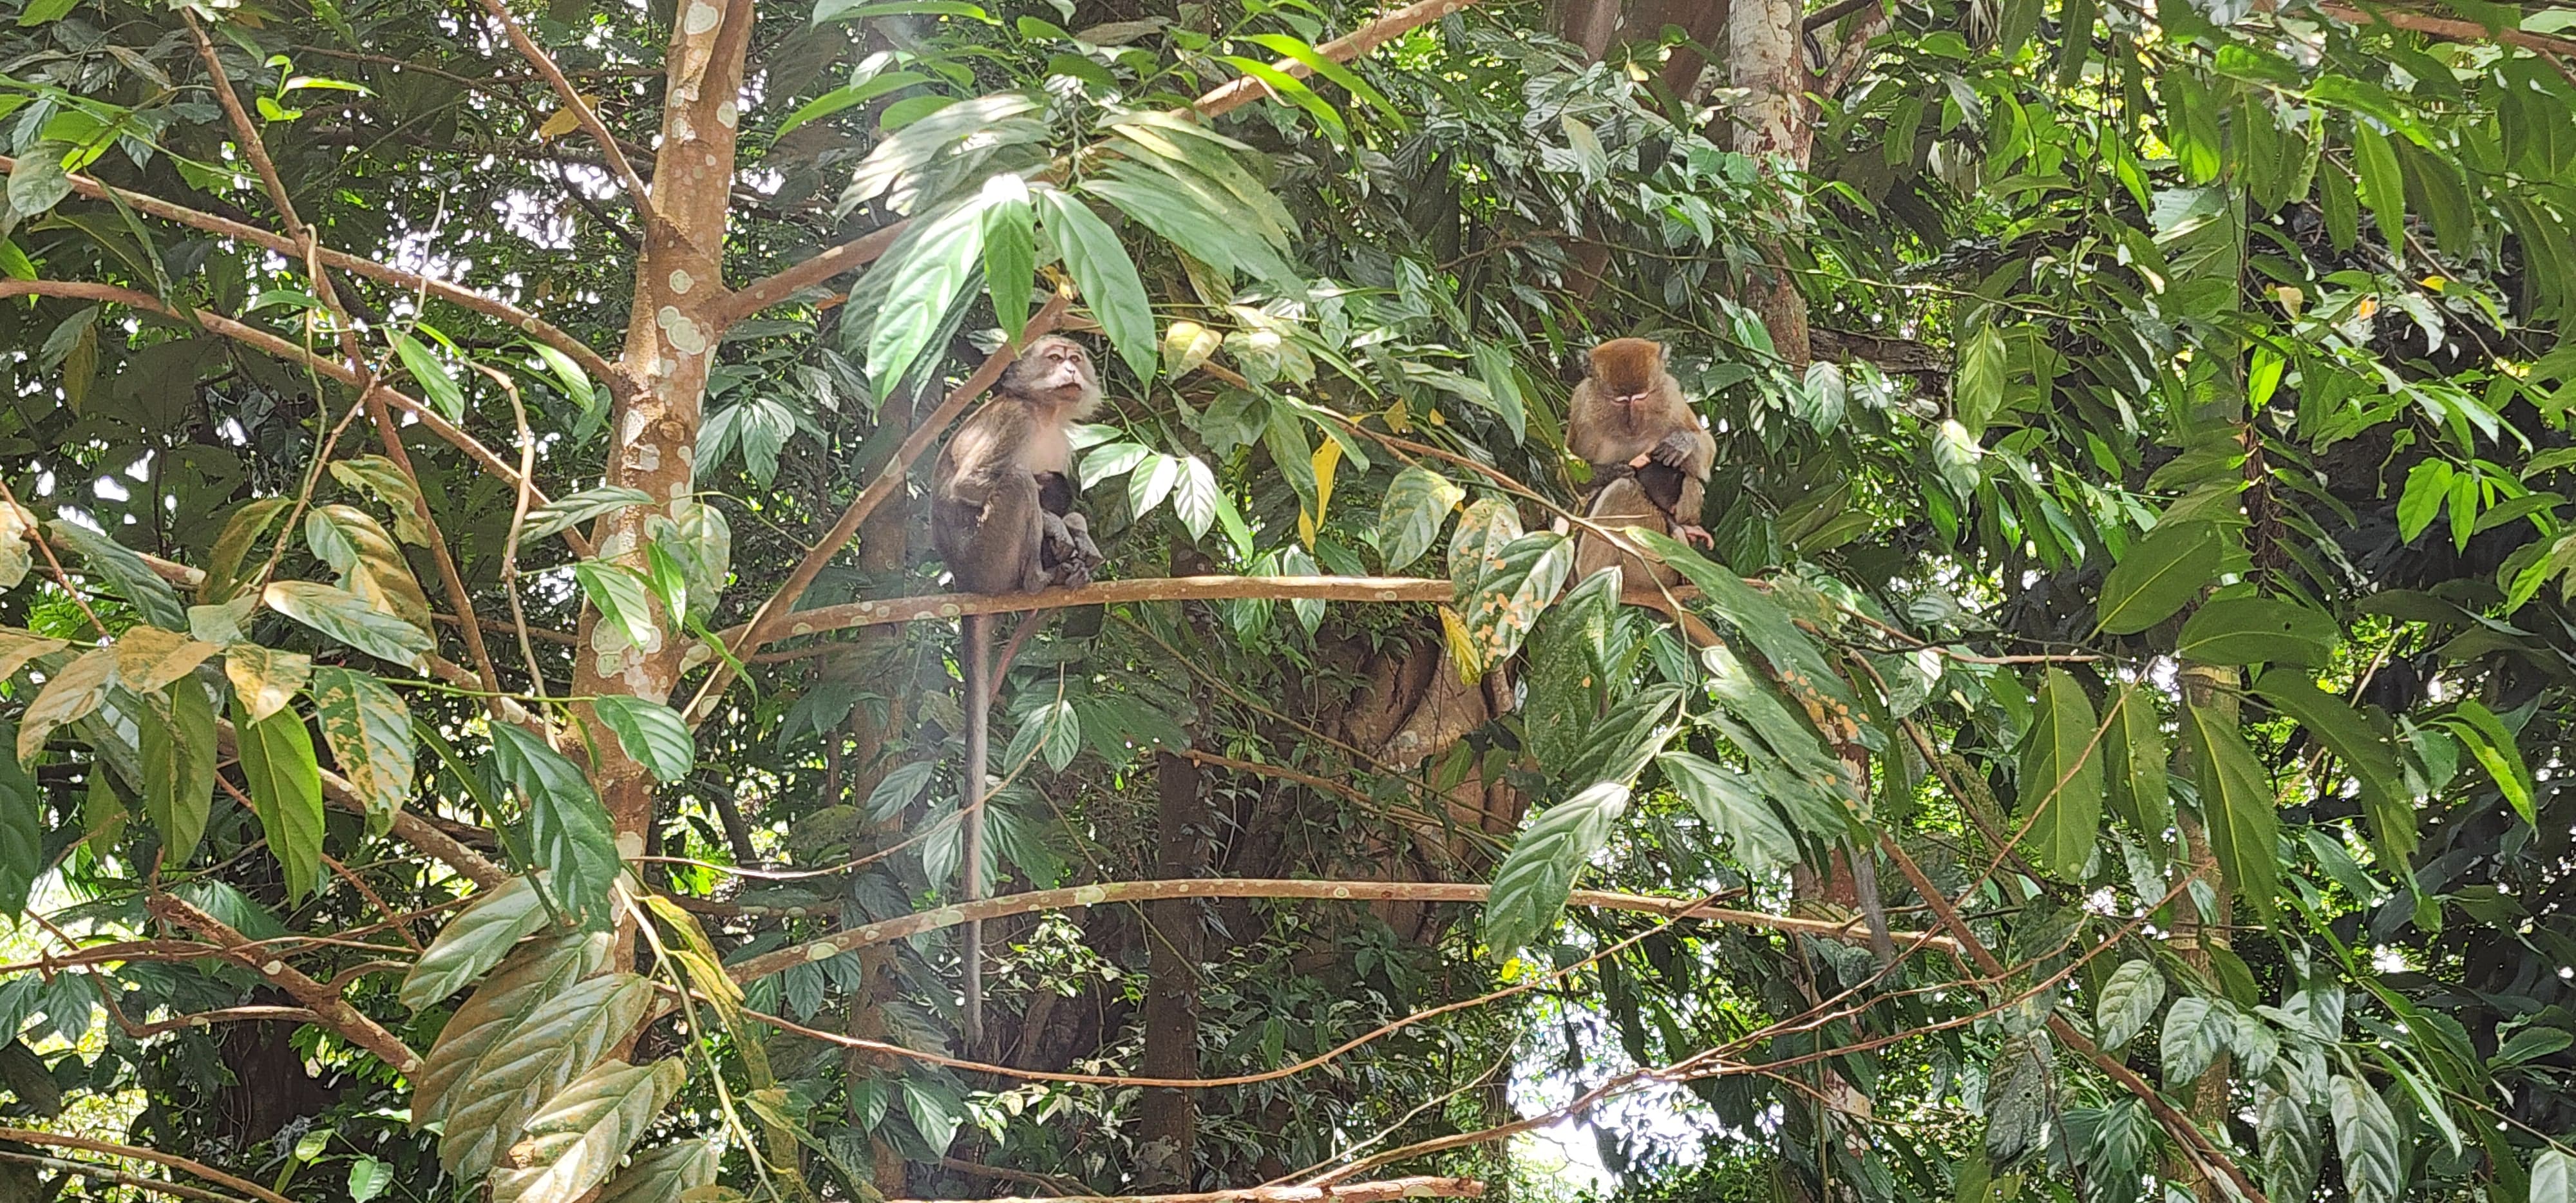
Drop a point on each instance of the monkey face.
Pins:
(1627, 370)
(1055, 370)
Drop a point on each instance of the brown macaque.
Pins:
(1001, 514)
(1650, 458)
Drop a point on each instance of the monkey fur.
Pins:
(1002, 516)
(1650, 458)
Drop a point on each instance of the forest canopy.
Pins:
(484, 713)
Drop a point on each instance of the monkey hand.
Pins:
(1695, 535)
(1674, 451)
(1071, 556)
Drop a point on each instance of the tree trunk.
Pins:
(2211, 688)
(1773, 125)
(1169, 1118)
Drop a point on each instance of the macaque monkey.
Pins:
(1001, 513)
(1649, 456)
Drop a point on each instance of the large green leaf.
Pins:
(2061, 777)
(651, 733)
(1106, 276)
(1567, 677)
(2374, 1163)
(1798, 663)
(622, 598)
(285, 791)
(561, 1039)
(1417, 504)
(2237, 806)
(2383, 187)
(2127, 1003)
(2496, 752)
(2553, 1177)
(2137, 761)
(2252, 630)
(134, 580)
(369, 732)
(2372, 761)
(1534, 880)
(68, 696)
(2285, 1139)
(1010, 250)
(943, 253)
(178, 746)
(2196, 1031)
(473, 942)
(2017, 1093)
(437, 385)
(2161, 572)
(566, 824)
(1734, 808)
(22, 830)
(347, 617)
(577, 1139)
(526, 978)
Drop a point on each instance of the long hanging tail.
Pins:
(978, 633)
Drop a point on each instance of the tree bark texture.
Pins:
(1773, 124)
(1175, 945)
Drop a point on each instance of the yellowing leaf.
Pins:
(68, 697)
(148, 658)
(563, 121)
(19, 647)
(265, 678)
(1325, 459)
(1463, 655)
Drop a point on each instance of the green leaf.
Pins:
(2286, 1139)
(2128, 1003)
(2374, 1166)
(651, 733)
(22, 832)
(1010, 251)
(1194, 496)
(1797, 661)
(2161, 572)
(39, 12)
(2553, 1177)
(2061, 777)
(2496, 752)
(134, 580)
(1980, 393)
(2370, 758)
(2138, 762)
(1151, 482)
(2250, 630)
(1295, 91)
(1733, 807)
(285, 791)
(666, 1175)
(368, 1178)
(37, 182)
(861, 10)
(1534, 880)
(436, 386)
(1511, 590)
(2196, 1031)
(346, 617)
(369, 732)
(1106, 276)
(2017, 1090)
(622, 598)
(1418, 502)
(1291, 48)
(841, 98)
(566, 824)
(68, 696)
(560, 1040)
(2236, 805)
(524, 980)
(1568, 669)
(179, 753)
(2530, 1044)
(575, 382)
(2428, 485)
(920, 289)
(564, 513)
(472, 943)
(2383, 189)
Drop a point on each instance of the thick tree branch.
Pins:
(330, 1010)
(772, 619)
(858, 252)
(2450, 28)
(136, 1153)
(1242, 887)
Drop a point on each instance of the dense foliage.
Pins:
(468, 730)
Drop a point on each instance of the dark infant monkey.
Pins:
(1001, 514)
(1650, 458)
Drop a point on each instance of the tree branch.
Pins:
(2450, 29)
(112, 1176)
(330, 1010)
(458, 295)
(908, 926)
(537, 57)
(137, 1153)
(858, 252)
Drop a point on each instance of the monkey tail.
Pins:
(977, 633)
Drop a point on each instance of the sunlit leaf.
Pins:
(1417, 503)
(1106, 276)
(285, 791)
(179, 753)
(346, 617)
(2061, 778)
(651, 733)
(2161, 572)
(369, 732)
(68, 696)
(568, 830)
(1536, 877)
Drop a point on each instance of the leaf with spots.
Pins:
(68, 695)
(148, 658)
(1512, 590)
(348, 618)
(265, 679)
(178, 746)
(369, 732)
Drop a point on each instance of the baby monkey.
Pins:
(1650, 458)
(1001, 514)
